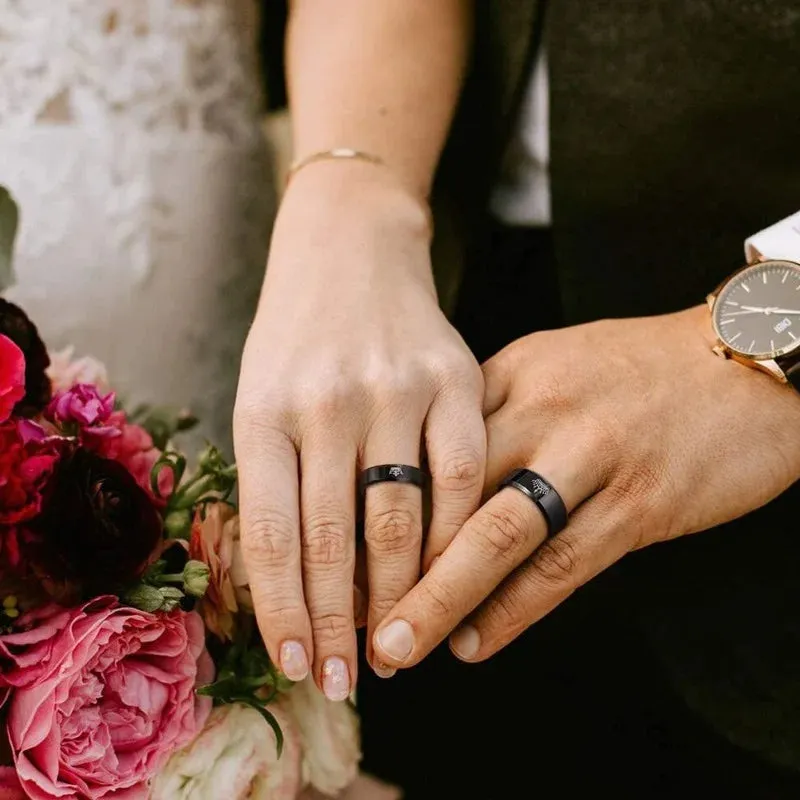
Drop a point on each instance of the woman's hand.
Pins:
(350, 363)
(644, 432)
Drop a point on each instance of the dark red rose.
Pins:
(97, 531)
(14, 324)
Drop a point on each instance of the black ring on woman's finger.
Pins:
(392, 473)
(543, 494)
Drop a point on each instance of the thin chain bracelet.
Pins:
(344, 153)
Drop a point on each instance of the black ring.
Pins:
(543, 494)
(392, 473)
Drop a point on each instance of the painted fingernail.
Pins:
(335, 679)
(466, 642)
(382, 671)
(396, 639)
(294, 662)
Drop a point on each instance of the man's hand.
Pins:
(645, 434)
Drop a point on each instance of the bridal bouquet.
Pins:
(130, 662)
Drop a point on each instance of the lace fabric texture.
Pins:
(130, 136)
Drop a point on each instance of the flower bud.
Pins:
(195, 578)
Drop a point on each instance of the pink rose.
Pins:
(65, 371)
(234, 757)
(100, 698)
(83, 405)
(215, 541)
(134, 449)
(12, 376)
(10, 787)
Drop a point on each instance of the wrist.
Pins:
(343, 192)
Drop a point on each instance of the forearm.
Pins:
(383, 77)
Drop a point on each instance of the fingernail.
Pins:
(335, 679)
(294, 662)
(382, 671)
(397, 639)
(466, 642)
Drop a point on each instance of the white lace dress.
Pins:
(130, 137)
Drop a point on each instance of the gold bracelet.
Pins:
(332, 155)
(349, 153)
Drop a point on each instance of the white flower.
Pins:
(330, 737)
(65, 371)
(234, 757)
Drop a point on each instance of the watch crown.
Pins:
(720, 351)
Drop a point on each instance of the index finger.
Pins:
(270, 535)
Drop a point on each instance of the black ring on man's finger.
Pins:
(392, 473)
(543, 494)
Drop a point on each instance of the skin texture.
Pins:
(350, 362)
(647, 436)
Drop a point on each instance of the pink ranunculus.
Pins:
(134, 449)
(234, 757)
(65, 371)
(113, 697)
(85, 406)
(215, 541)
(10, 787)
(12, 376)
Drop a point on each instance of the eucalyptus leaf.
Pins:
(9, 218)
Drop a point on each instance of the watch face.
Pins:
(757, 312)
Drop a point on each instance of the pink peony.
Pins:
(65, 371)
(12, 376)
(10, 787)
(235, 757)
(215, 541)
(100, 698)
(83, 405)
(134, 449)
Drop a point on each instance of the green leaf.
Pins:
(9, 219)
(273, 723)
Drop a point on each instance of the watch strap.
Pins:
(778, 241)
(790, 364)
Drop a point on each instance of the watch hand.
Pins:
(783, 310)
(748, 311)
(751, 310)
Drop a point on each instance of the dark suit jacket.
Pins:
(675, 132)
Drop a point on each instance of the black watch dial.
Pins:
(757, 312)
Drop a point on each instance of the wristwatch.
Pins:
(756, 311)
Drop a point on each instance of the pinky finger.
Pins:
(595, 538)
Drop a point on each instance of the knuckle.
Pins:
(550, 392)
(505, 534)
(332, 399)
(556, 562)
(460, 470)
(438, 601)
(331, 627)
(393, 529)
(395, 384)
(505, 615)
(270, 539)
(325, 540)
